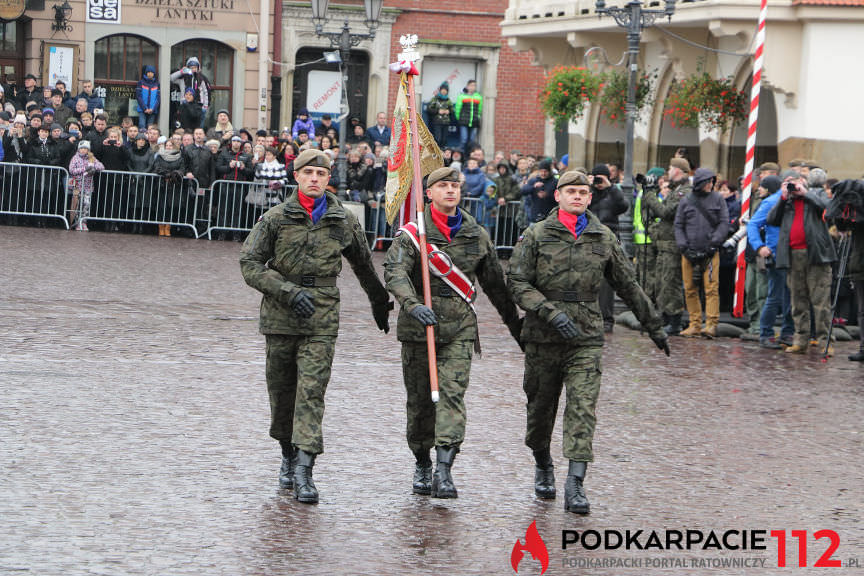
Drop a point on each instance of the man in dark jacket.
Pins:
(701, 227)
(30, 92)
(805, 249)
(607, 203)
(201, 160)
(232, 164)
(540, 191)
(93, 101)
(380, 132)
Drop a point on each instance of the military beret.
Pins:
(312, 157)
(680, 163)
(769, 166)
(573, 178)
(444, 174)
(796, 163)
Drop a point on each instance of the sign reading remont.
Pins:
(188, 10)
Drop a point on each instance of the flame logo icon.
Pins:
(534, 545)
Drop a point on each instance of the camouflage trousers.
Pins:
(441, 424)
(809, 285)
(669, 294)
(298, 371)
(548, 367)
(646, 264)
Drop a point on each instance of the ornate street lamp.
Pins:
(634, 18)
(62, 14)
(343, 41)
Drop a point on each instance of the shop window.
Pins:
(217, 65)
(118, 63)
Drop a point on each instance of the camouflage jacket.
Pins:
(286, 243)
(665, 210)
(472, 252)
(548, 260)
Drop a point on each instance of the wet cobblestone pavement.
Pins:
(133, 436)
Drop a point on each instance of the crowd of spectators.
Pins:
(790, 255)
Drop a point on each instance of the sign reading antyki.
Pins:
(194, 10)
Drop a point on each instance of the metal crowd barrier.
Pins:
(33, 190)
(507, 225)
(140, 198)
(377, 229)
(230, 207)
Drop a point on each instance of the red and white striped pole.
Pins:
(758, 57)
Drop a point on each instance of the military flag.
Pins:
(400, 164)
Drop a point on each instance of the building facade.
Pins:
(458, 41)
(110, 41)
(808, 106)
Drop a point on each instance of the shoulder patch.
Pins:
(260, 218)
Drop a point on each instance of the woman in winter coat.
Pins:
(141, 159)
(271, 177)
(82, 168)
(223, 130)
(171, 200)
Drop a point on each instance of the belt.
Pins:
(309, 281)
(569, 296)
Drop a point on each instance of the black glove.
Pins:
(661, 341)
(424, 315)
(302, 304)
(381, 313)
(515, 328)
(565, 326)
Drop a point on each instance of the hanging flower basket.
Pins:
(613, 101)
(566, 91)
(702, 99)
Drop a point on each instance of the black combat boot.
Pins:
(674, 326)
(859, 356)
(544, 475)
(304, 487)
(289, 461)
(422, 473)
(442, 482)
(574, 493)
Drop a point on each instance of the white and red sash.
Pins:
(442, 267)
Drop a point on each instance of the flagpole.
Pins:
(755, 89)
(410, 55)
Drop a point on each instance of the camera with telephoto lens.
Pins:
(648, 182)
(733, 240)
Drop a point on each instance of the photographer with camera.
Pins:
(701, 226)
(662, 204)
(778, 299)
(805, 249)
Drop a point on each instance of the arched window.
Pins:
(217, 65)
(118, 62)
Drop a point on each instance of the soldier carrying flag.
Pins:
(460, 253)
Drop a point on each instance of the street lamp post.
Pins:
(344, 41)
(634, 18)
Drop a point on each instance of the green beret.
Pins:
(444, 174)
(573, 178)
(769, 166)
(312, 157)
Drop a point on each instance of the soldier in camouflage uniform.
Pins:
(555, 275)
(467, 244)
(293, 256)
(668, 288)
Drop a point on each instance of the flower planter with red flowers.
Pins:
(700, 99)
